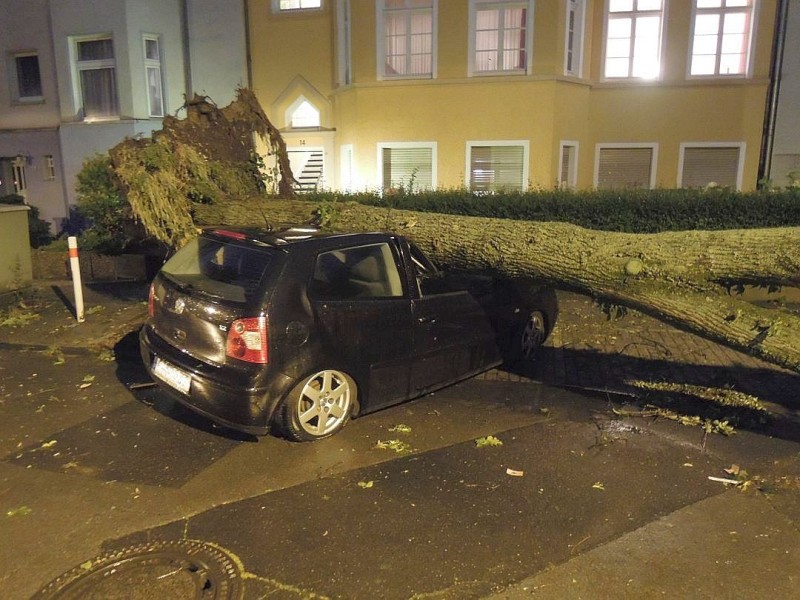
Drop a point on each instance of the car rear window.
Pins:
(219, 269)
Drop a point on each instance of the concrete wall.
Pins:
(15, 248)
(217, 48)
(786, 153)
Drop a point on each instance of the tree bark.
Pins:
(684, 278)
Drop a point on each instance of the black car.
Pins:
(302, 330)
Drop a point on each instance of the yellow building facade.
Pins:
(515, 94)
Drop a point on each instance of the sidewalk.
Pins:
(585, 349)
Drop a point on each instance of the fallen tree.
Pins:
(196, 171)
(685, 278)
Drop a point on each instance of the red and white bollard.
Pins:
(75, 268)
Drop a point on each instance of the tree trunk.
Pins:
(684, 278)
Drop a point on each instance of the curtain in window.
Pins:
(154, 91)
(494, 168)
(408, 168)
(500, 39)
(99, 90)
(409, 39)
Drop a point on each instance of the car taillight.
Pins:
(247, 340)
(151, 300)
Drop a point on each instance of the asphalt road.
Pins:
(576, 502)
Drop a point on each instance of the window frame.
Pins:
(381, 146)
(741, 146)
(394, 278)
(14, 76)
(616, 145)
(380, 45)
(526, 158)
(277, 9)
(579, 32)
(752, 18)
(152, 63)
(573, 167)
(49, 168)
(635, 13)
(474, 5)
(77, 66)
(344, 54)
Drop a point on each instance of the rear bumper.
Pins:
(214, 393)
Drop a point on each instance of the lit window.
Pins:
(408, 27)
(633, 39)
(96, 77)
(721, 40)
(305, 115)
(27, 83)
(408, 166)
(152, 70)
(573, 51)
(19, 177)
(625, 166)
(497, 166)
(288, 5)
(500, 36)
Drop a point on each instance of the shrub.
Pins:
(634, 211)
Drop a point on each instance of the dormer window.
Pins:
(304, 115)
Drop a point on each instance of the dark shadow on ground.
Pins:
(616, 373)
(64, 299)
(122, 290)
(131, 372)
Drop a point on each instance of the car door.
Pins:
(453, 337)
(363, 314)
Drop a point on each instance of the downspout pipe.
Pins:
(773, 93)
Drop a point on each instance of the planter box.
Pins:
(94, 267)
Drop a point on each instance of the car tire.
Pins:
(527, 337)
(318, 406)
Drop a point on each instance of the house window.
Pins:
(344, 41)
(496, 166)
(96, 76)
(27, 81)
(305, 115)
(289, 5)
(704, 165)
(573, 52)
(49, 167)
(152, 69)
(407, 166)
(19, 177)
(347, 177)
(407, 28)
(568, 168)
(633, 39)
(721, 37)
(625, 166)
(499, 36)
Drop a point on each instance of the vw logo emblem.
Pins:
(179, 306)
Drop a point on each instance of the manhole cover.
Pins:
(177, 569)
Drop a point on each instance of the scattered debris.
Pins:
(514, 472)
(49, 444)
(365, 485)
(400, 428)
(398, 446)
(20, 511)
(489, 440)
(720, 396)
(87, 381)
(598, 486)
(725, 480)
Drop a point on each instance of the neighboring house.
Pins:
(785, 158)
(513, 94)
(78, 76)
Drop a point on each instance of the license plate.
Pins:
(172, 375)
